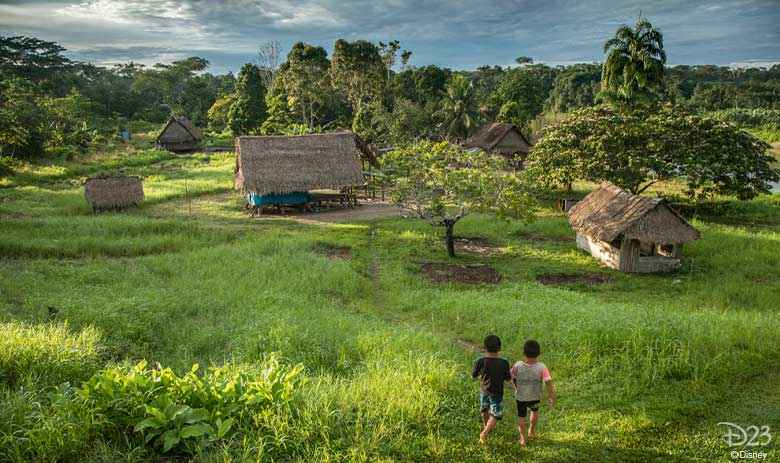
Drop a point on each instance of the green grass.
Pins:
(645, 366)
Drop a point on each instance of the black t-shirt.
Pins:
(493, 371)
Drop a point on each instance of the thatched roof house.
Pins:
(630, 233)
(292, 164)
(500, 138)
(180, 135)
(112, 193)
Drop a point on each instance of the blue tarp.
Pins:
(290, 198)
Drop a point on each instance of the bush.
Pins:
(186, 412)
(46, 355)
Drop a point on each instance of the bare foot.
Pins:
(531, 434)
(482, 438)
(522, 442)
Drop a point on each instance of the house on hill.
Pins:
(179, 135)
(630, 233)
(283, 170)
(501, 138)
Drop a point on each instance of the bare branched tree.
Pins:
(268, 55)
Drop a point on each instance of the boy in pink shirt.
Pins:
(527, 378)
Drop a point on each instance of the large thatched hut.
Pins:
(630, 233)
(113, 193)
(179, 135)
(284, 169)
(501, 138)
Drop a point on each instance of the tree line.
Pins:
(49, 102)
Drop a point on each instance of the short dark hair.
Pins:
(531, 349)
(492, 343)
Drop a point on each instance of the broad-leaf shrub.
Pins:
(183, 412)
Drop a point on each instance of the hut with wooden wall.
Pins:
(284, 169)
(501, 138)
(180, 135)
(113, 192)
(630, 233)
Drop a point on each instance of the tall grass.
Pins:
(645, 365)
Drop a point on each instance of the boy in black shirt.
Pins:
(492, 371)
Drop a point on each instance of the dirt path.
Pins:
(365, 211)
(230, 204)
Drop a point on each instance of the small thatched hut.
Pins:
(179, 135)
(111, 193)
(283, 169)
(501, 138)
(630, 233)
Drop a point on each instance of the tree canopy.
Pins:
(442, 183)
(634, 68)
(635, 150)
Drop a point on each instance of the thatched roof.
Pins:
(286, 164)
(610, 212)
(120, 192)
(179, 130)
(490, 135)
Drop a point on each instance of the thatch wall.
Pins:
(287, 164)
(108, 193)
(610, 212)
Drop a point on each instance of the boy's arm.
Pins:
(513, 376)
(476, 369)
(548, 384)
(550, 392)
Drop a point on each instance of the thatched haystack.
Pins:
(630, 233)
(180, 135)
(501, 138)
(282, 165)
(113, 193)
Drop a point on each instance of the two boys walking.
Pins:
(526, 377)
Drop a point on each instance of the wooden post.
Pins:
(677, 250)
(629, 255)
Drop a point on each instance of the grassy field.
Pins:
(645, 366)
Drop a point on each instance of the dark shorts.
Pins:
(493, 405)
(523, 407)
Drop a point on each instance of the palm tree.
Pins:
(458, 108)
(634, 65)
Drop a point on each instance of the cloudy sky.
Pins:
(457, 34)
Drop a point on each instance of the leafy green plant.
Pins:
(184, 412)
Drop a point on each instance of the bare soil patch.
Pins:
(476, 247)
(557, 279)
(334, 252)
(468, 345)
(365, 211)
(472, 274)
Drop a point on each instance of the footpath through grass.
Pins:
(645, 366)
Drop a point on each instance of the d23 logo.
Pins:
(750, 436)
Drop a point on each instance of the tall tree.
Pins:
(458, 112)
(521, 93)
(634, 68)
(306, 80)
(388, 52)
(248, 110)
(358, 71)
(268, 60)
(35, 60)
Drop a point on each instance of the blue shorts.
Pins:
(493, 405)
